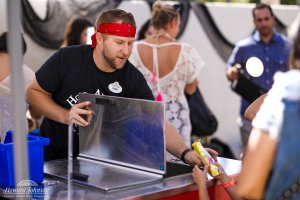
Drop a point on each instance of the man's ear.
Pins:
(99, 37)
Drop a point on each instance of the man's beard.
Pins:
(110, 62)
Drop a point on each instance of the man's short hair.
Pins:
(260, 6)
(115, 15)
(4, 43)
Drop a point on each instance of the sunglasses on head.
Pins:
(177, 7)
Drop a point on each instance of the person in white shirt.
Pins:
(6, 121)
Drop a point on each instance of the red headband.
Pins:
(124, 30)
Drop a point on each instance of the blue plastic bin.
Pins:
(35, 157)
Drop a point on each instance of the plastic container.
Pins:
(35, 159)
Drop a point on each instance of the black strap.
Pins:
(184, 153)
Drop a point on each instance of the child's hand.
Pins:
(223, 177)
(199, 175)
(213, 167)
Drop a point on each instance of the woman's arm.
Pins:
(191, 87)
(254, 107)
(257, 165)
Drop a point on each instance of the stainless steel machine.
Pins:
(123, 146)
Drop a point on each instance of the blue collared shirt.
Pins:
(274, 56)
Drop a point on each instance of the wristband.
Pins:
(184, 153)
(229, 184)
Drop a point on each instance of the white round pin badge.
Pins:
(115, 87)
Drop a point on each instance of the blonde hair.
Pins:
(162, 14)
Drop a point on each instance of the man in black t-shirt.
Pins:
(102, 68)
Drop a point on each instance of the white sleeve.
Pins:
(194, 63)
(4, 91)
(28, 75)
(133, 59)
(270, 116)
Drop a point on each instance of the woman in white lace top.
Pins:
(170, 68)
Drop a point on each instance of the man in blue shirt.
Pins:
(270, 47)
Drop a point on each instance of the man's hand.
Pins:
(76, 112)
(233, 72)
(192, 158)
(213, 153)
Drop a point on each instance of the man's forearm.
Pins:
(174, 142)
(46, 106)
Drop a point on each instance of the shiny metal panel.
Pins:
(104, 176)
(125, 131)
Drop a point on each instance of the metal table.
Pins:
(56, 187)
(150, 189)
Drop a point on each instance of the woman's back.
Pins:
(167, 54)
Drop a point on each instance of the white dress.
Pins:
(5, 84)
(172, 85)
(6, 120)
